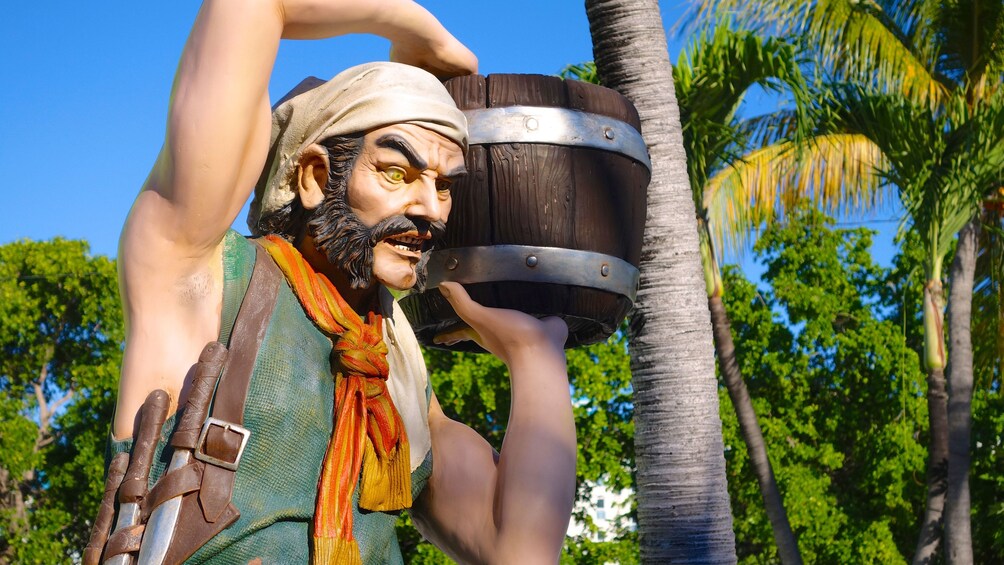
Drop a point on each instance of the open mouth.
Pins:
(406, 243)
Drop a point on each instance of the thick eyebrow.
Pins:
(456, 174)
(399, 144)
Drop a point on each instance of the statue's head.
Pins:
(362, 166)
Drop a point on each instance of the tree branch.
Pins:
(54, 407)
(45, 411)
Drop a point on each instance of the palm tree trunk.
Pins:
(937, 466)
(683, 503)
(958, 529)
(787, 546)
(937, 410)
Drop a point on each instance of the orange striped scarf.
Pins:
(369, 439)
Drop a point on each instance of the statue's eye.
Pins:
(443, 185)
(394, 174)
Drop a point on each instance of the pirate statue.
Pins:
(307, 423)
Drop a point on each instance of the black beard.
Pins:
(348, 243)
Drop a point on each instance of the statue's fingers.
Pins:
(465, 306)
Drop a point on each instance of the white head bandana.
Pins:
(357, 100)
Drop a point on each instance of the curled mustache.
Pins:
(398, 225)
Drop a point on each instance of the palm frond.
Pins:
(721, 65)
(988, 299)
(768, 129)
(852, 39)
(917, 22)
(969, 168)
(768, 18)
(586, 72)
(972, 38)
(943, 163)
(837, 172)
(858, 41)
(711, 79)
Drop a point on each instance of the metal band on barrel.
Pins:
(526, 263)
(555, 126)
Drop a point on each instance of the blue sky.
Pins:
(86, 88)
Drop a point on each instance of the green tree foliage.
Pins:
(61, 331)
(987, 478)
(917, 85)
(840, 394)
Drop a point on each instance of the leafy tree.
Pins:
(837, 384)
(942, 164)
(623, 552)
(61, 333)
(930, 71)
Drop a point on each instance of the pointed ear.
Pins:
(312, 176)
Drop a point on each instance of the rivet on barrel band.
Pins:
(552, 265)
(555, 126)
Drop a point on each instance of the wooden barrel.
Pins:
(549, 219)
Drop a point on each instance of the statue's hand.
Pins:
(510, 335)
(434, 49)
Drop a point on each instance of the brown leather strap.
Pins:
(228, 405)
(124, 540)
(151, 421)
(207, 372)
(103, 523)
(193, 531)
(173, 484)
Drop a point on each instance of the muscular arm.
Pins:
(217, 139)
(513, 508)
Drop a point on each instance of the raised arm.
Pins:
(513, 507)
(217, 139)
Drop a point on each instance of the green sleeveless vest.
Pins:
(289, 411)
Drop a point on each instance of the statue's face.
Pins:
(403, 170)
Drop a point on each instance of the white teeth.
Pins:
(406, 243)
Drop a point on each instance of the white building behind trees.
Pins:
(606, 510)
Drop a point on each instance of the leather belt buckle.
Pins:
(200, 448)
